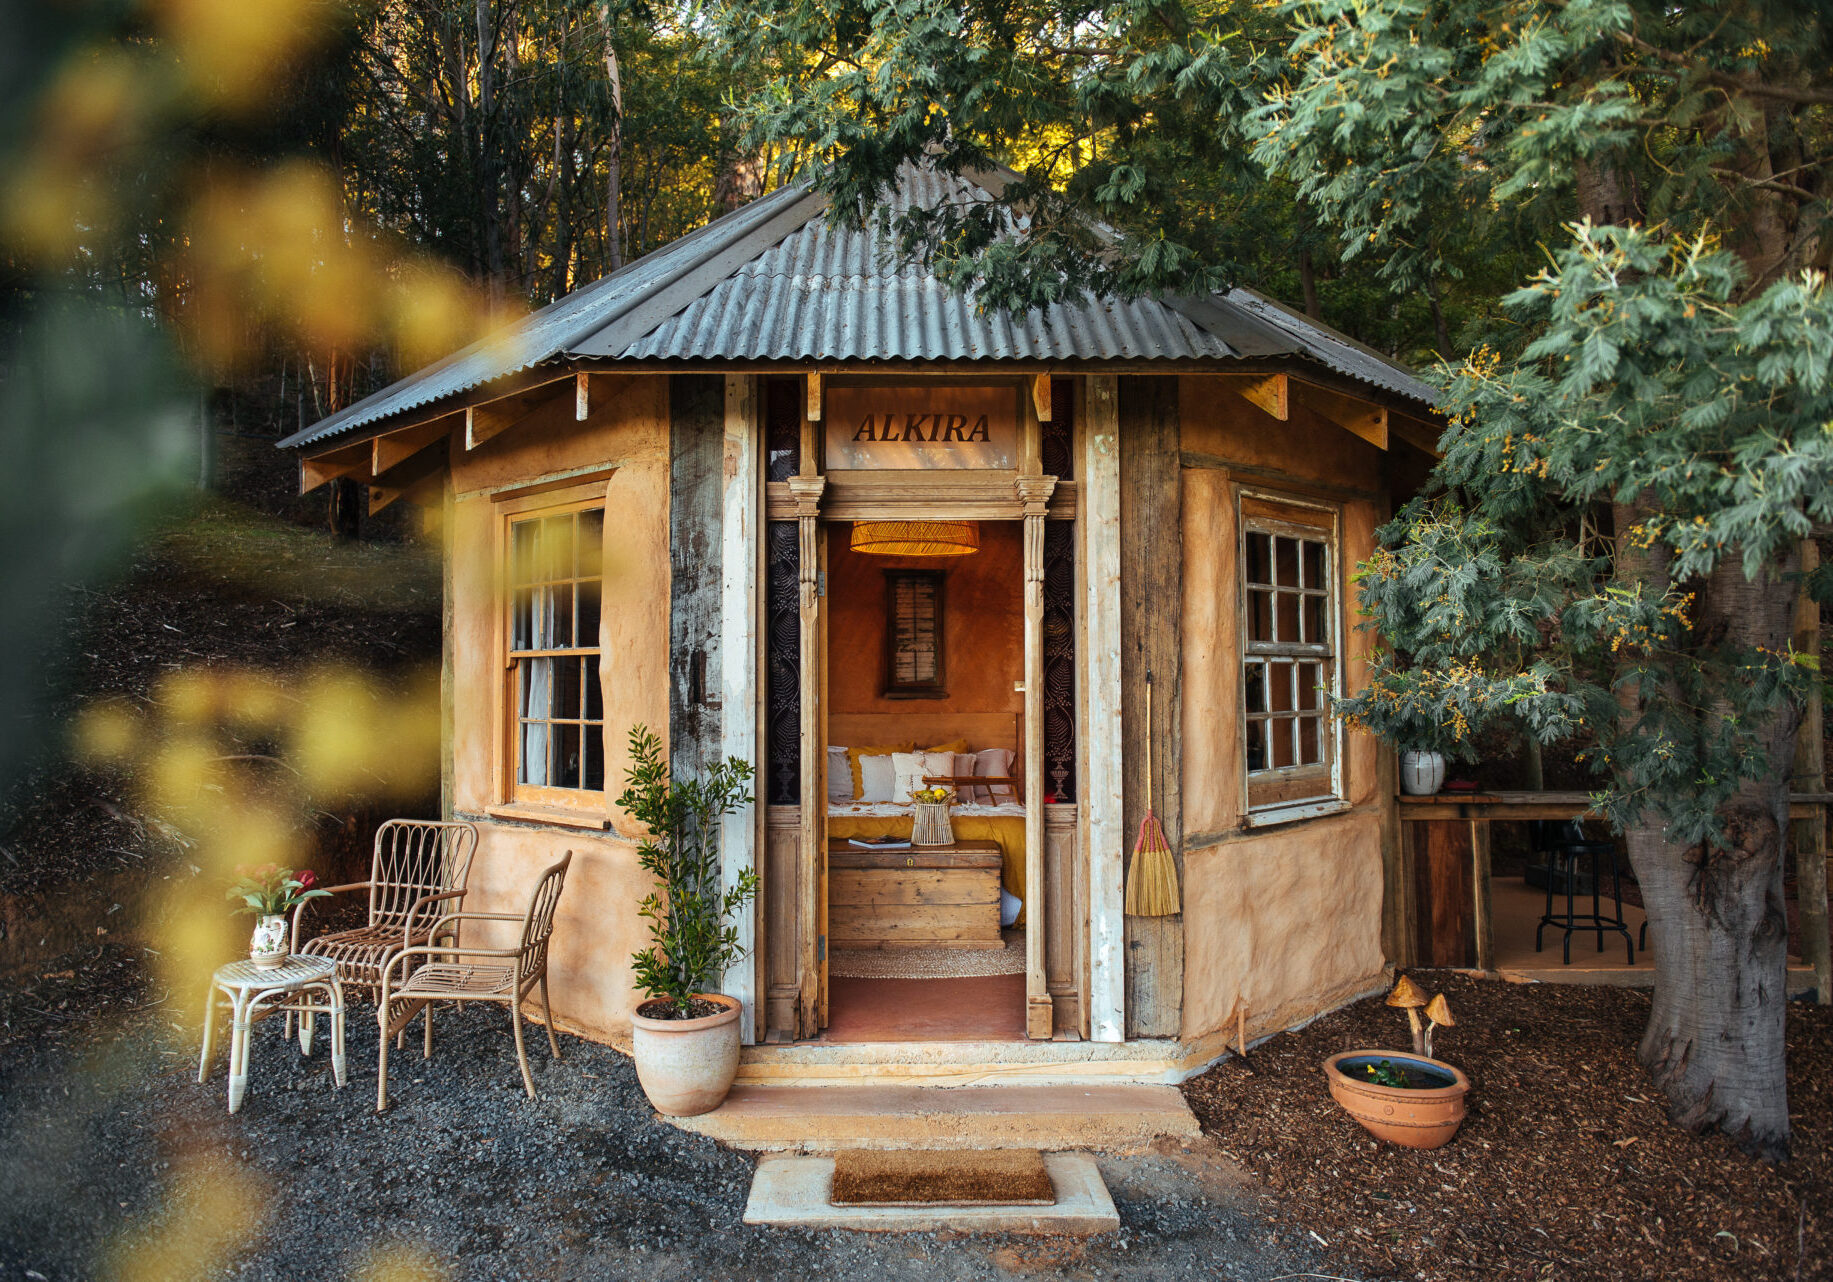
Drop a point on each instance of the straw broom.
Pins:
(1152, 881)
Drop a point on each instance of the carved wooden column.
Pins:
(1034, 492)
(807, 493)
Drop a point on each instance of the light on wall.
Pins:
(916, 538)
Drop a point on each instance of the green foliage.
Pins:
(1385, 1074)
(1133, 126)
(690, 944)
(269, 889)
(1649, 384)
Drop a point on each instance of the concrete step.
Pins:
(792, 1192)
(822, 1119)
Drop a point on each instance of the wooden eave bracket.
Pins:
(397, 447)
(582, 397)
(1270, 393)
(1363, 418)
(321, 469)
(1422, 434)
(813, 413)
(1040, 396)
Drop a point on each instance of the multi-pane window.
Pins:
(1288, 652)
(556, 583)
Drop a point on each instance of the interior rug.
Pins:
(927, 1177)
(930, 963)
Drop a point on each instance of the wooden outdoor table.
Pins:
(1444, 845)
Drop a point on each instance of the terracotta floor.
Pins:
(981, 1009)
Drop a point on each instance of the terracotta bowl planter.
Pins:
(686, 1066)
(1417, 1118)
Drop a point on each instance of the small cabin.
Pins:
(779, 496)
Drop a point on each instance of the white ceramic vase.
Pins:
(267, 946)
(1421, 773)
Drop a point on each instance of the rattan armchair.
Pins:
(419, 867)
(414, 978)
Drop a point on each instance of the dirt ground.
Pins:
(1566, 1168)
(120, 1165)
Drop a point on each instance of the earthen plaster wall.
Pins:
(1285, 920)
(597, 927)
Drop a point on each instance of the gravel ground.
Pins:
(119, 1164)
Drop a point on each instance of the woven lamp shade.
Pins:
(916, 538)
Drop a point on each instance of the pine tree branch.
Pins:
(1725, 80)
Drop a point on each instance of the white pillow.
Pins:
(910, 767)
(964, 765)
(996, 761)
(877, 778)
(839, 775)
(1010, 905)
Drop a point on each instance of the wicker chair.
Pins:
(413, 978)
(418, 865)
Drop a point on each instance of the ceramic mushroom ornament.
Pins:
(1438, 1015)
(1409, 997)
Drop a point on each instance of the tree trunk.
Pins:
(614, 151)
(1307, 281)
(1717, 926)
(490, 179)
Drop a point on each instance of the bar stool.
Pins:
(1565, 844)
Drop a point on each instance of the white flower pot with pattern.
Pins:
(267, 946)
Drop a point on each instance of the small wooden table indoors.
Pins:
(914, 896)
(304, 985)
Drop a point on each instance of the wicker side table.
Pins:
(304, 985)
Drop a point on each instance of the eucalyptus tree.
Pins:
(1611, 548)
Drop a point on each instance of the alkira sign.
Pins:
(915, 426)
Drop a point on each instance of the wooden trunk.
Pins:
(936, 897)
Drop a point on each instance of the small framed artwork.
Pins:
(913, 635)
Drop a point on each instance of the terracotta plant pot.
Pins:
(686, 1066)
(1416, 1118)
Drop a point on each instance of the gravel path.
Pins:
(117, 1163)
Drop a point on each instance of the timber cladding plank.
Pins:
(1151, 609)
(696, 540)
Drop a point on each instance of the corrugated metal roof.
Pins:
(774, 282)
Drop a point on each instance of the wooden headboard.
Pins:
(980, 729)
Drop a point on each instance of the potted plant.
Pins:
(270, 892)
(1412, 1100)
(685, 1036)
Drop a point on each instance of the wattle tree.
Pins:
(1611, 548)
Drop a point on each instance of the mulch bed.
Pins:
(1566, 1167)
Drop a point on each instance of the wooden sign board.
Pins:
(937, 427)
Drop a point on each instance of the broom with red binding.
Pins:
(1152, 880)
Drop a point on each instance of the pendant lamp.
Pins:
(916, 538)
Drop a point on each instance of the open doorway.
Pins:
(924, 669)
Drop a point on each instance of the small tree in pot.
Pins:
(685, 1037)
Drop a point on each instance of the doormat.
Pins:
(923, 1177)
(930, 963)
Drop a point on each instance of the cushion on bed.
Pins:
(839, 775)
(963, 764)
(854, 754)
(878, 777)
(910, 767)
(996, 761)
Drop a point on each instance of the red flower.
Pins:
(307, 879)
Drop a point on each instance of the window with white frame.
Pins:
(556, 578)
(1288, 654)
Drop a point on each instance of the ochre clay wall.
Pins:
(983, 627)
(1287, 919)
(597, 927)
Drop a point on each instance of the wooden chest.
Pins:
(929, 897)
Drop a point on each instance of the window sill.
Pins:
(1275, 815)
(556, 816)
